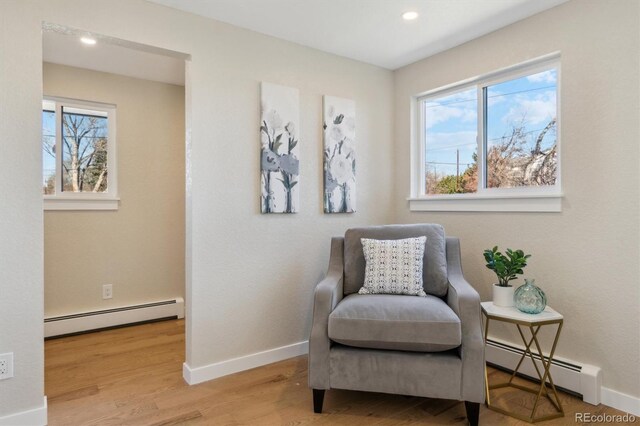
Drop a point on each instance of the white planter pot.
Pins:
(503, 296)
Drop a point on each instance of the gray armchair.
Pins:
(422, 346)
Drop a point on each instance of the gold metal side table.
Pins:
(533, 323)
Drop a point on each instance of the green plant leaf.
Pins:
(506, 266)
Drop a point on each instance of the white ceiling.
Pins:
(371, 31)
(109, 55)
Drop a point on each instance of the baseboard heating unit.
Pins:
(581, 379)
(83, 322)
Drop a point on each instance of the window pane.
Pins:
(450, 143)
(521, 131)
(84, 150)
(48, 149)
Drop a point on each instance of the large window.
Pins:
(495, 137)
(78, 154)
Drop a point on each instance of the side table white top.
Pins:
(512, 313)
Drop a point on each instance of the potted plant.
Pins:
(507, 267)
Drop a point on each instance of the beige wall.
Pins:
(585, 258)
(139, 248)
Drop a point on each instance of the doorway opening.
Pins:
(114, 126)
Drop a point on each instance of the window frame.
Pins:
(66, 200)
(520, 199)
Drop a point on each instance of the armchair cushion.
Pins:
(434, 270)
(395, 322)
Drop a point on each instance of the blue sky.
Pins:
(451, 121)
(48, 131)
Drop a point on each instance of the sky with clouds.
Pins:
(451, 121)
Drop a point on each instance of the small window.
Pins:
(495, 137)
(78, 154)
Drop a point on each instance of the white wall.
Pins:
(252, 275)
(21, 270)
(139, 248)
(585, 258)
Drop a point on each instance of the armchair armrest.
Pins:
(464, 300)
(326, 296)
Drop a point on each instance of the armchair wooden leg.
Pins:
(318, 398)
(473, 412)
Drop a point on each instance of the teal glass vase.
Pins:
(530, 298)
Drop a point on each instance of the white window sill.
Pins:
(80, 203)
(547, 203)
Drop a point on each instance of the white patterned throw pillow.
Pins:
(393, 266)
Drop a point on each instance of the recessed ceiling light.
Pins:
(409, 16)
(88, 40)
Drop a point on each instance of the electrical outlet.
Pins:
(6, 366)
(107, 291)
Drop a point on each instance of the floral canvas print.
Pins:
(279, 163)
(339, 155)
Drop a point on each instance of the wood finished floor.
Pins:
(133, 376)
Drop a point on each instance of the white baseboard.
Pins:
(33, 417)
(583, 379)
(621, 401)
(95, 320)
(212, 371)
